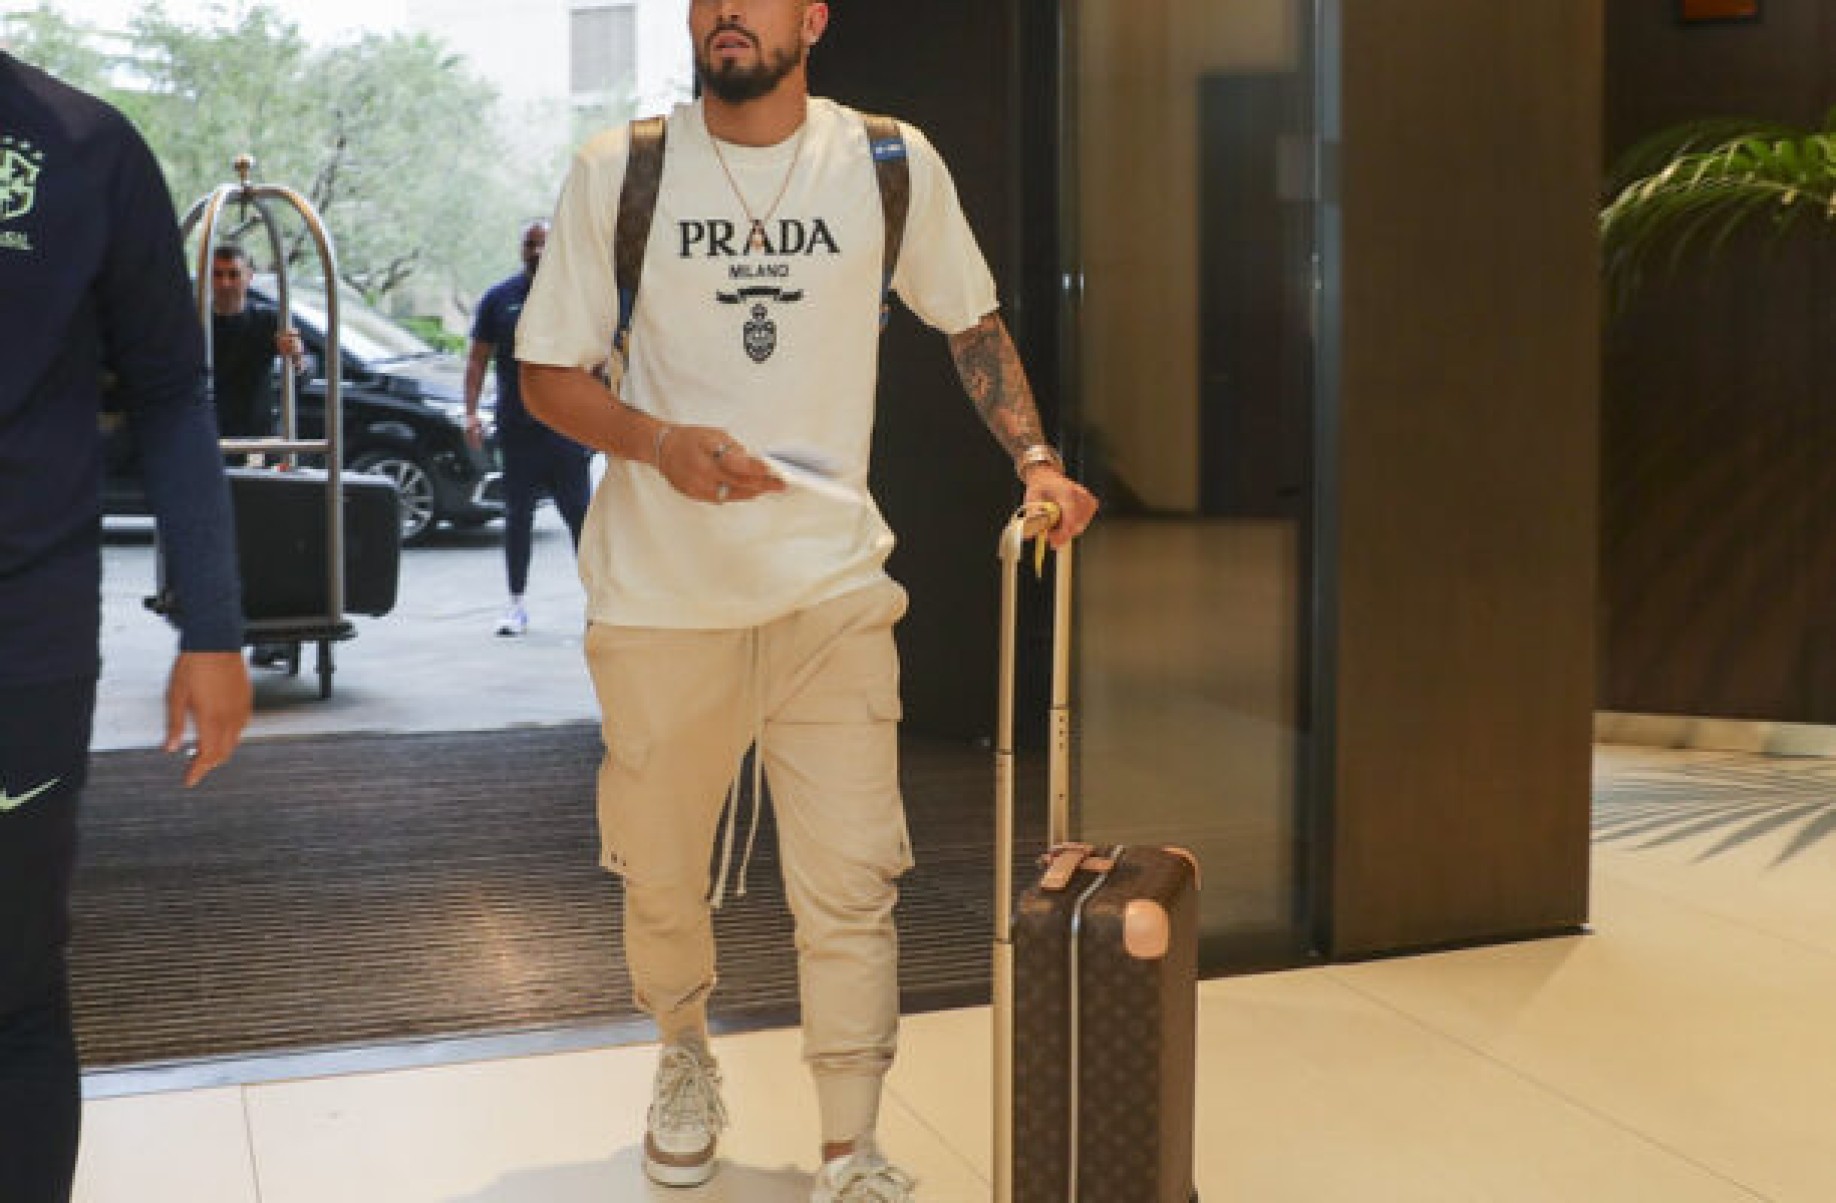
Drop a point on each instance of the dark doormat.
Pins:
(366, 889)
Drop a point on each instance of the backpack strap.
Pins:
(637, 204)
(893, 168)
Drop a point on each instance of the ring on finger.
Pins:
(722, 449)
(721, 491)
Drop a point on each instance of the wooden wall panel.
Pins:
(1466, 439)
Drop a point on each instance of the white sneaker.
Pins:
(686, 1116)
(515, 620)
(863, 1177)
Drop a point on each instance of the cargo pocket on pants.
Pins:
(620, 799)
(835, 759)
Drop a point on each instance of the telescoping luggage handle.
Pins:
(1030, 522)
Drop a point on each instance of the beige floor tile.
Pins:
(1703, 1035)
(559, 1129)
(1312, 1093)
(444, 1133)
(1751, 839)
(1793, 901)
(188, 1147)
(942, 1077)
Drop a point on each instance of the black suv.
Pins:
(404, 418)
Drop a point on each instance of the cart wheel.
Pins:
(325, 668)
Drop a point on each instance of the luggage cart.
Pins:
(329, 624)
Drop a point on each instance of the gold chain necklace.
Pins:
(757, 236)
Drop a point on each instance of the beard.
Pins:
(736, 84)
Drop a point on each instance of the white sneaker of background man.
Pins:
(515, 620)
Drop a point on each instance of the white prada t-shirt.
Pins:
(774, 339)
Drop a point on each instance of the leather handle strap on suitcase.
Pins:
(1031, 521)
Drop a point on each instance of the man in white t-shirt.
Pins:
(733, 557)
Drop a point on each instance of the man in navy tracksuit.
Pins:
(536, 459)
(93, 294)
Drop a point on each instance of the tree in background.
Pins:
(53, 44)
(390, 137)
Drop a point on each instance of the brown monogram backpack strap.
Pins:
(637, 205)
(892, 167)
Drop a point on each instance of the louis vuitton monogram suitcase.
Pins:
(1096, 972)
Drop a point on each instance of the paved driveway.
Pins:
(432, 664)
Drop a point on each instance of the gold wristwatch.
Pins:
(1032, 457)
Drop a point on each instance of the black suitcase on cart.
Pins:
(280, 543)
(1096, 981)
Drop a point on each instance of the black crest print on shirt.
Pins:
(767, 251)
(761, 333)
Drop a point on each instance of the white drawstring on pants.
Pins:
(719, 896)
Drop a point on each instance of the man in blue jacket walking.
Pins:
(536, 459)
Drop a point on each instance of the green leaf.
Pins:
(1689, 189)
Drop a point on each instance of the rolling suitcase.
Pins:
(280, 543)
(1096, 991)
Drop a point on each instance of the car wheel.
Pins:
(413, 482)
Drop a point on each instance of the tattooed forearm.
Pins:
(991, 373)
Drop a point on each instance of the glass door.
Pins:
(1188, 346)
